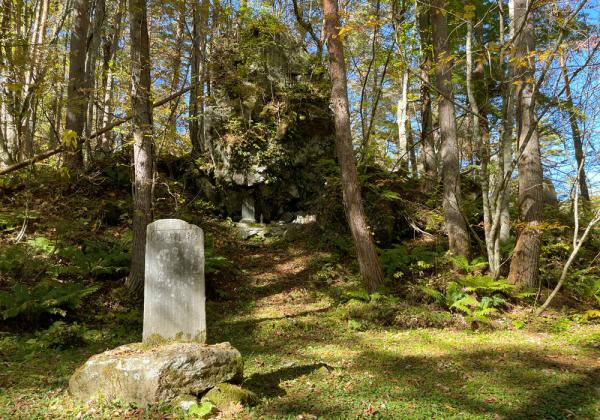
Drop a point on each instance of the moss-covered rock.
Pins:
(148, 374)
(226, 394)
(185, 401)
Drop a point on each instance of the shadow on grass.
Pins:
(268, 384)
(512, 383)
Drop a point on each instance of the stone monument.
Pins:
(174, 296)
(173, 360)
(248, 212)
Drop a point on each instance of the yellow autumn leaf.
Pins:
(344, 30)
(69, 139)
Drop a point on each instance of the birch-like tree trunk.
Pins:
(370, 269)
(401, 119)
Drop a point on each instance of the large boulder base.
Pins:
(147, 374)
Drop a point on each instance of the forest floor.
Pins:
(284, 309)
(304, 361)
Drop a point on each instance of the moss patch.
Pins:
(226, 394)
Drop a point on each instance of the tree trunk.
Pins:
(110, 48)
(412, 150)
(94, 37)
(524, 268)
(143, 142)
(368, 261)
(401, 120)
(200, 22)
(456, 226)
(176, 66)
(76, 96)
(430, 172)
(575, 133)
(508, 117)
(38, 35)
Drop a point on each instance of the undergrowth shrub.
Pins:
(363, 310)
(475, 296)
(401, 260)
(96, 258)
(61, 335)
(46, 297)
(586, 283)
(20, 262)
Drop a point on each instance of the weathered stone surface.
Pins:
(145, 375)
(248, 213)
(249, 230)
(174, 291)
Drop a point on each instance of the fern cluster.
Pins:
(477, 297)
(46, 297)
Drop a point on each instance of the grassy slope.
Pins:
(302, 358)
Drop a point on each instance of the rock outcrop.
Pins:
(147, 374)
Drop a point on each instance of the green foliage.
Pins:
(360, 294)
(214, 263)
(201, 411)
(18, 261)
(106, 259)
(400, 260)
(118, 175)
(61, 335)
(462, 263)
(225, 394)
(586, 282)
(42, 245)
(486, 285)
(46, 297)
(475, 296)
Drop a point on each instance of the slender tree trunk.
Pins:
(506, 157)
(430, 172)
(456, 226)
(110, 48)
(31, 105)
(57, 107)
(524, 268)
(176, 66)
(368, 261)
(412, 150)
(401, 119)
(76, 96)
(143, 162)
(575, 133)
(200, 23)
(508, 118)
(94, 38)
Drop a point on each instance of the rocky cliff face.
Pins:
(268, 125)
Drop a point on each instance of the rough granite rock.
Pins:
(145, 375)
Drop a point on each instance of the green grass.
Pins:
(304, 357)
(314, 364)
